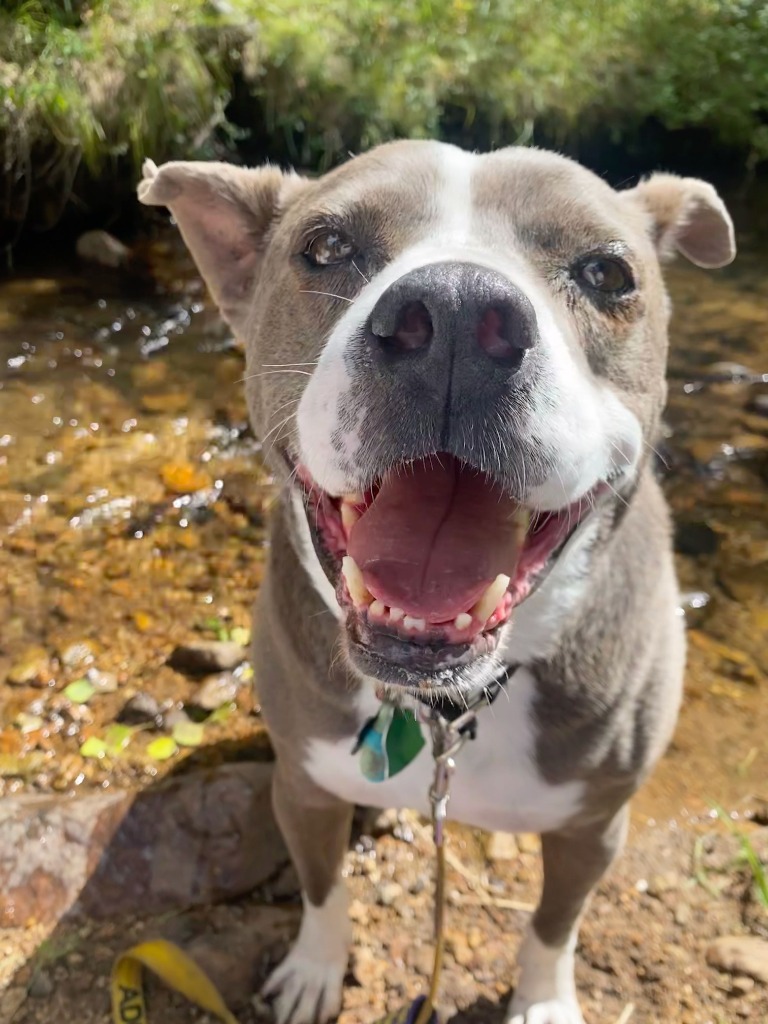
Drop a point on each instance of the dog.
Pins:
(456, 365)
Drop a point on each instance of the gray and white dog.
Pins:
(456, 363)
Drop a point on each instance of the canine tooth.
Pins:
(350, 570)
(410, 623)
(523, 517)
(486, 606)
(353, 498)
(377, 608)
(463, 621)
(349, 516)
(395, 614)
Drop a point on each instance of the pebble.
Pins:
(215, 691)
(501, 846)
(103, 249)
(32, 668)
(140, 710)
(203, 657)
(389, 892)
(102, 682)
(740, 954)
(759, 405)
(77, 654)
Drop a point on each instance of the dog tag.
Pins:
(388, 742)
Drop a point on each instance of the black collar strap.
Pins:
(450, 710)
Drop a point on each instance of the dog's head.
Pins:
(454, 357)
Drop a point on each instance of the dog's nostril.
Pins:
(500, 337)
(413, 330)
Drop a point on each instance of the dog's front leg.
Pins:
(316, 826)
(574, 862)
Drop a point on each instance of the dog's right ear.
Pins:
(224, 214)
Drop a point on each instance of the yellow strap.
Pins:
(172, 966)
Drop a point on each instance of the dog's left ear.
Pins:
(688, 216)
(224, 214)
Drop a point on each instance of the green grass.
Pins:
(748, 856)
(104, 82)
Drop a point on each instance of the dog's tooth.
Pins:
(353, 498)
(486, 606)
(396, 614)
(354, 579)
(378, 608)
(410, 623)
(463, 621)
(523, 517)
(349, 516)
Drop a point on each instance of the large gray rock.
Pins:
(191, 840)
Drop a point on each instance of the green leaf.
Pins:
(162, 748)
(240, 635)
(94, 746)
(222, 714)
(79, 692)
(188, 734)
(117, 737)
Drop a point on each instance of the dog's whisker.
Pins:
(329, 295)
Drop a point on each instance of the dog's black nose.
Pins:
(455, 306)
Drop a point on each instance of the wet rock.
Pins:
(32, 669)
(215, 691)
(204, 657)
(103, 249)
(695, 538)
(102, 682)
(196, 839)
(141, 709)
(759, 404)
(740, 954)
(77, 654)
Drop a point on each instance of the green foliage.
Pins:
(112, 80)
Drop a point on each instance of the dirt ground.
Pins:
(642, 955)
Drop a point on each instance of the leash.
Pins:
(387, 743)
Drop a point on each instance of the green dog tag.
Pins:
(388, 742)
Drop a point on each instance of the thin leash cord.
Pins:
(437, 965)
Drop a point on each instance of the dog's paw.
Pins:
(550, 1011)
(306, 989)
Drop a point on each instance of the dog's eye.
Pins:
(329, 248)
(611, 277)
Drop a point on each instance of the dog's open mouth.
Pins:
(431, 561)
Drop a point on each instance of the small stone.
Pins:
(215, 691)
(102, 682)
(740, 954)
(529, 842)
(659, 884)
(141, 709)
(501, 846)
(389, 893)
(78, 654)
(759, 405)
(103, 249)
(358, 912)
(682, 914)
(33, 668)
(203, 657)
(742, 985)
(41, 986)
(457, 945)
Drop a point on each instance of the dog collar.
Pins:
(393, 737)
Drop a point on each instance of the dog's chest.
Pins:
(497, 785)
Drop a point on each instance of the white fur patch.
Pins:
(496, 786)
(546, 991)
(307, 986)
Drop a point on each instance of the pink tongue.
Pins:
(437, 534)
